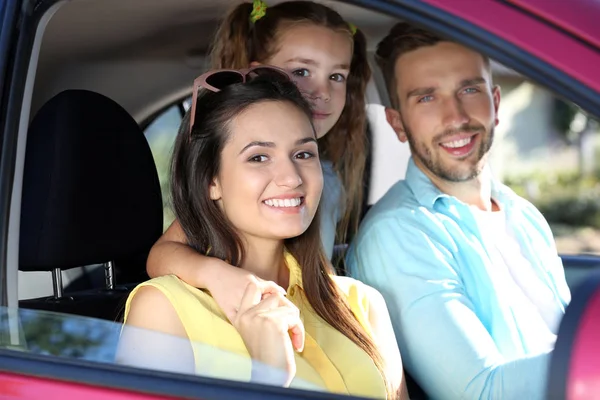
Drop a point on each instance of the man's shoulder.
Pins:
(399, 208)
(397, 200)
(518, 203)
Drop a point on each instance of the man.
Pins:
(469, 270)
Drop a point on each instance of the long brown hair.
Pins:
(238, 42)
(196, 161)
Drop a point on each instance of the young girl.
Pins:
(327, 58)
(246, 184)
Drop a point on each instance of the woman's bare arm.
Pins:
(153, 336)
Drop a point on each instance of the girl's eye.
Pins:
(304, 155)
(302, 72)
(338, 77)
(425, 99)
(258, 159)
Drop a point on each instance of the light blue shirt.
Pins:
(461, 332)
(332, 206)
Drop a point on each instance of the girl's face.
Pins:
(319, 59)
(270, 179)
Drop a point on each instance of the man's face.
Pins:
(448, 110)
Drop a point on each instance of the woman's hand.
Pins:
(271, 329)
(227, 287)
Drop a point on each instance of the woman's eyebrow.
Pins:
(306, 140)
(259, 144)
(271, 145)
(308, 61)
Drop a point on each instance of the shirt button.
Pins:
(292, 291)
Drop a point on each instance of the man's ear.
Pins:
(215, 190)
(496, 97)
(393, 118)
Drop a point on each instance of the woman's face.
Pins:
(319, 60)
(270, 180)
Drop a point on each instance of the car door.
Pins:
(505, 31)
(9, 14)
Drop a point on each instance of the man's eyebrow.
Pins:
(259, 144)
(472, 82)
(429, 90)
(420, 92)
(308, 61)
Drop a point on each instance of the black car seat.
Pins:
(575, 365)
(91, 195)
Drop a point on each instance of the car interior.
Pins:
(91, 204)
(144, 59)
(101, 75)
(144, 64)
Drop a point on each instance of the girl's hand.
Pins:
(228, 285)
(271, 329)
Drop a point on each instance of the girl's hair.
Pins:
(196, 162)
(238, 42)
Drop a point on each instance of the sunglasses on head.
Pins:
(215, 81)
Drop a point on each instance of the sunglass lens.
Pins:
(270, 73)
(223, 79)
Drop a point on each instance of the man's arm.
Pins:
(555, 269)
(443, 343)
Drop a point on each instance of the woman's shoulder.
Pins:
(362, 298)
(181, 295)
(169, 285)
(346, 283)
(168, 298)
(354, 288)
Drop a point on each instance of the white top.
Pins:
(533, 293)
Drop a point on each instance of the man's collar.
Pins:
(424, 190)
(428, 194)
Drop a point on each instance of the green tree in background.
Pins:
(67, 336)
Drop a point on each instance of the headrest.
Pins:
(575, 365)
(90, 187)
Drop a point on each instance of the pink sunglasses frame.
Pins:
(201, 82)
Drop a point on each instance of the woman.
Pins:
(327, 59)
(246, 184)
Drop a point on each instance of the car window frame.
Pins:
(425, 13)
(9, 115)
(149, 381)
(157, 114)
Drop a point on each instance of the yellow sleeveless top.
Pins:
(329, 360)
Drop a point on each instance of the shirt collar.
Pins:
(428, 194)
(295, 270)
(424, 190)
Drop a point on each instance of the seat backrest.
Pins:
(575, 366)
(91, 192)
